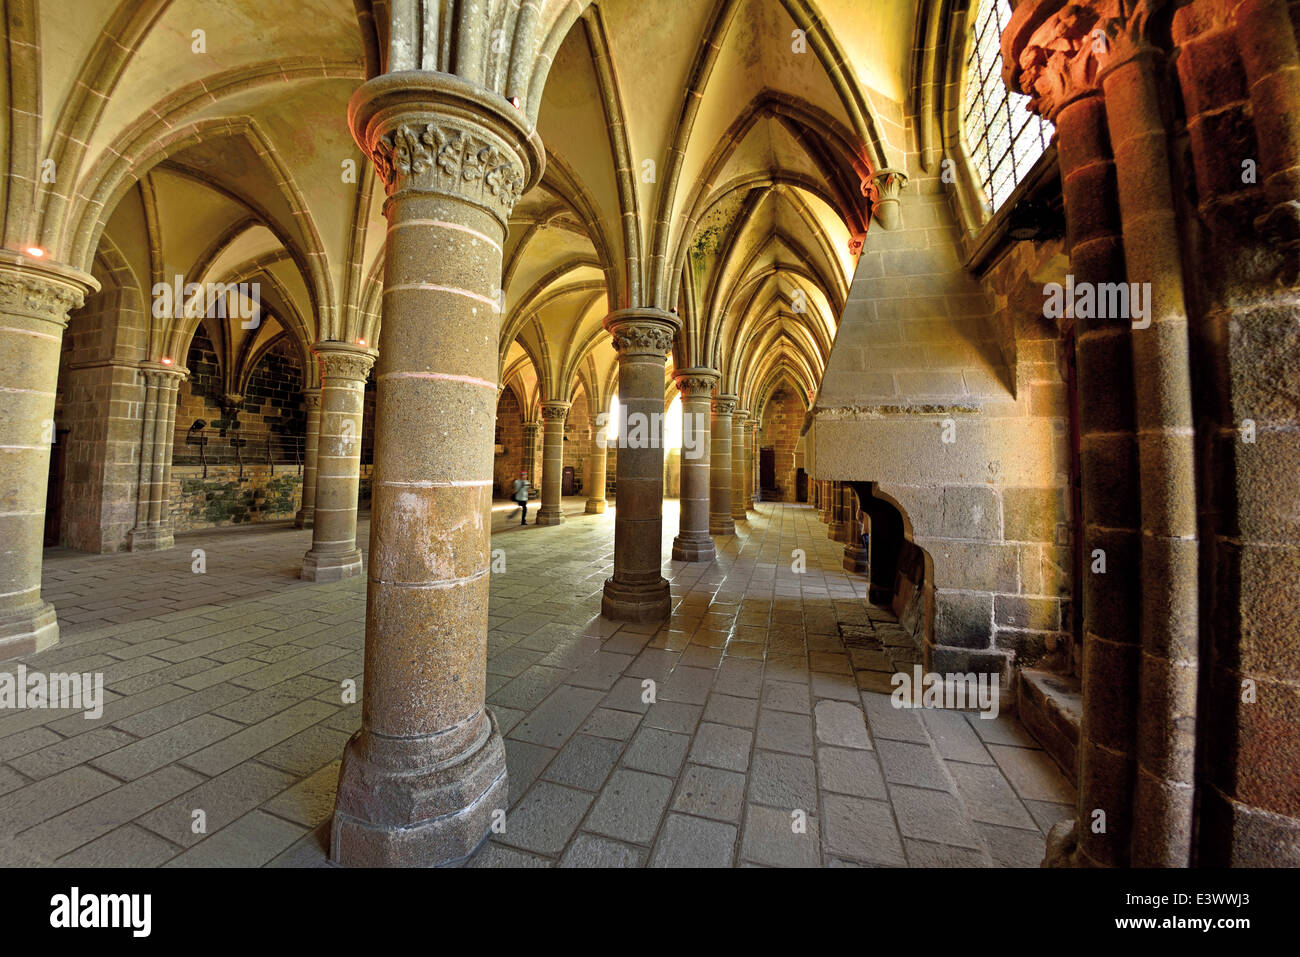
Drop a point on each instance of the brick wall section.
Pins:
(223, 499)
(782, 419)
(273, 395)
(510, 434)
(200, 396)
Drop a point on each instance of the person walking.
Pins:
(521, 496)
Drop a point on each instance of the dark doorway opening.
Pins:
(767, 472)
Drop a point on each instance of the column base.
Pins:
(838, 532)
(721, 526)
(651, 602)
(330, 566)
(855, 559)
(150, 538)
(305, 517)
(549, 516)
(30, 629)
(739, 515)
(694, 549)
(401, 803)
(596, 506)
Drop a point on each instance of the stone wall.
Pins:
(97, 418)
(223, 499)
(961, 423)
(783, 417)
(510, 435)
(273, 394)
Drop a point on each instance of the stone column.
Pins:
(720, 520)
(552, 510)
(855, 550)
(1164, 787)
(1108, 454)
(596, 465)
(35, 298)
(638, 592)
(137, 538)
(421, 780)
(306, 514)
(530, 450)
(693, 542)
(334, 553)
(739, 426)
(839, 527)
(751, 442)
(153, 530)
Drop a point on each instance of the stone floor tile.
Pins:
(694, 842)
(914, 764)
(710, 792)
(721, 746)
(629, 806)
(862, 830)
(1033, 774)
(545, 819)
(657, 751)
(584, 762)
(770, 838)
(848, 771)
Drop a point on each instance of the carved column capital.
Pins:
(430, 132)
(694, 382)
(39, 289)
(644, 331)
(311, 399)
(884, 190)
(724, 404)
(339, 360)
(552, 411)
(1055, 52)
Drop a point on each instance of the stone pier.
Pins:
(334, 553)
(694, 543)
(638, 590)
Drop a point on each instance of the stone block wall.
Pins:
(510, 434)
(223, 499)
(98, 413)
(273, 394)
(783, 417)
(949, 394)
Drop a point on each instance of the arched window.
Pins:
(1002, 138)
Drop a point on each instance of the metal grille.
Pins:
(1003, 139)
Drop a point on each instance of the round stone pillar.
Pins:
(553, 416)
(529, 464)
(596, 466)
(306, 513)
(334, 553)
(720, 520)
(739, 426)
(35, 298)
(693, 543)
(751, 433)
(153, 527)
(421, 780)
(638, 592)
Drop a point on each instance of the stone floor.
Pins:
(225, 697)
